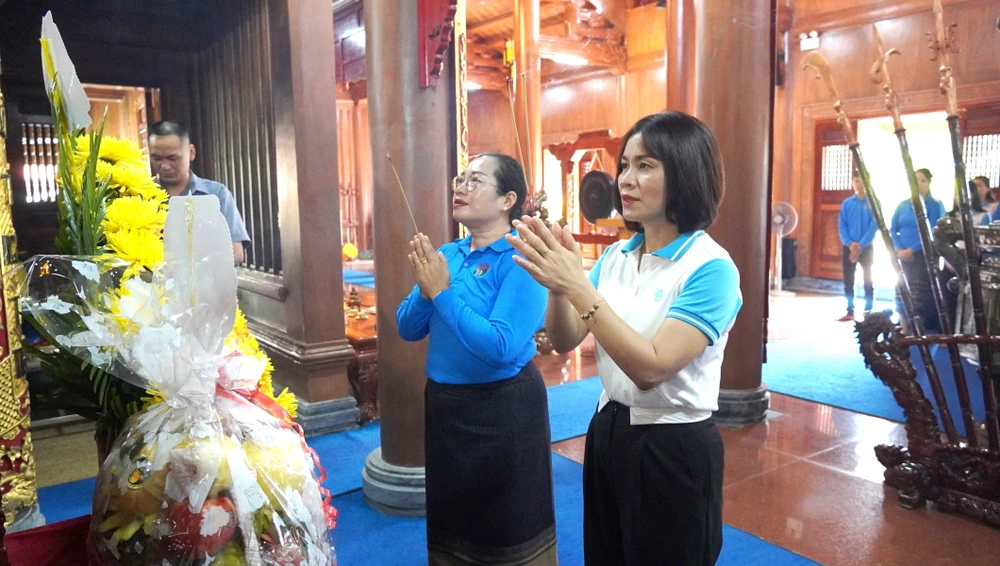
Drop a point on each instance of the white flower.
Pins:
(142, 303)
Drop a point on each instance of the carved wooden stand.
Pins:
(957, 478)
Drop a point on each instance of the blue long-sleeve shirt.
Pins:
(857, 224)
(904, 223)
(482, 328)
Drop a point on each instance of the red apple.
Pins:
(194, 535)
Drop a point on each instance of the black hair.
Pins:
(169, 128)
(975, 202)
(510, 179)
(989, 188)
(692, 166)
(927, 173)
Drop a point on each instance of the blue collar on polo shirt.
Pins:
(672, 251)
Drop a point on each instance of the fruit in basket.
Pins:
(207, 532)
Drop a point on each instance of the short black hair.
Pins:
(927, 173)
(510, 178)
(692, 167)
(856, 174)
(170, 128)
(984, 179)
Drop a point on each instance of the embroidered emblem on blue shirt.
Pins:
(481, 269)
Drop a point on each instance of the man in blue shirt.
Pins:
(170, 155)
(906, 237)
(857, 232)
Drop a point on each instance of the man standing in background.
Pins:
(857, 232)
(170, 155)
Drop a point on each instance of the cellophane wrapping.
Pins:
(212, 472)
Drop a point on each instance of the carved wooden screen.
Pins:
(982, 157)
(831, 186)
(235, 128)
(982, 142)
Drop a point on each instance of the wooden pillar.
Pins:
(733, 87)
(413, 125)
(528, 89)
(302, 310)
(680, 55)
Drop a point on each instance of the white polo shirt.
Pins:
(692, 279)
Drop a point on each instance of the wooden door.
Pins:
(831, 185)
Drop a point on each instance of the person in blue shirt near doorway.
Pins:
(911, 254)
(486, 421)
(857, 232)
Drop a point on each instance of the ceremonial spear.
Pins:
(943, 45)
(817, 62)
(880, 75)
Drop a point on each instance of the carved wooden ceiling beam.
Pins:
(489, 79)
(598, 54)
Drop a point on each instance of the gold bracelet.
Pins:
(589, 315)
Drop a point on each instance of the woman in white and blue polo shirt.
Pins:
(660, 306)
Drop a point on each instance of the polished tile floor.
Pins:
(806, 480)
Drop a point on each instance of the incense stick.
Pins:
(403, 192)
(517, 137)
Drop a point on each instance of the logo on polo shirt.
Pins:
(481, 269)
(658, 296)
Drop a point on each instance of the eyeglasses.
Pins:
(469, 184)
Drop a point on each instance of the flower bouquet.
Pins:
(213, 471)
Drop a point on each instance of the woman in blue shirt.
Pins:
(487, 440)
(906, 238)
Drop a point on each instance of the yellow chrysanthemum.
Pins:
(154, 396)
(134, 213)
(135, 177)
(142, 248)
(148, 192)
(288, 402)
(118, 151)
(104, 172)
(113, 150)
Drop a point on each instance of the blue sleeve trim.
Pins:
(696, 322)
(710, 299)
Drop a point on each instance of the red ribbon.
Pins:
(279, 412)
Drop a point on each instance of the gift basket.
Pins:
(213, 471)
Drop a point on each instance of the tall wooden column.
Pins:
(528, 89)
(732, 76)
(680, 55)
(414, 125)
(299, 316)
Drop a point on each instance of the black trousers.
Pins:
(921, 294)
(652, 494)
(866, 258)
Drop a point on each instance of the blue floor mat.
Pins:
(835, 374)
(366, 537)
